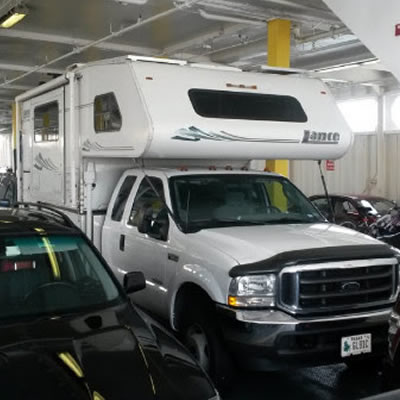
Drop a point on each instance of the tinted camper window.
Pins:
(46, 123)
(107, 116)
(250, 106)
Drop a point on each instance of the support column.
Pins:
(14, 137)
(278, 56)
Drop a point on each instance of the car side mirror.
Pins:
(134, 282)
(5, 203)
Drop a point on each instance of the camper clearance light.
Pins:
(12, 17)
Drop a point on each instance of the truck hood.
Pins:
(254, 243)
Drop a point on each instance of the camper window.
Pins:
(46, 123)
(107, 116)
(250, 106)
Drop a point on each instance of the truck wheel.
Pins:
(203, 339)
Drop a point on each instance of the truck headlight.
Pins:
(252, 291)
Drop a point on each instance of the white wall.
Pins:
(5, 150)
(354, 173)
(372, 165)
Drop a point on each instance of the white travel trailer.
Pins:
(150, 156)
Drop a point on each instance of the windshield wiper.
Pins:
(290, 220)
(239, 220)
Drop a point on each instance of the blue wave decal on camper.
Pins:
(193, 134)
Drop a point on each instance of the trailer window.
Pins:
(107, 116)
(46, 122)
(250, 106)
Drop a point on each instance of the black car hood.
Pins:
(114, 354)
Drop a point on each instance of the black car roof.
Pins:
(31, 220)
(349, 196)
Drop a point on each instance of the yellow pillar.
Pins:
(278, 56)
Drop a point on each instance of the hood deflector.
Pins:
(312, 256)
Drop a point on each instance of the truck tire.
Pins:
(203, 339)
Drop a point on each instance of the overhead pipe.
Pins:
(323, 35)
(225, 18)
(80, 49)
(294, 16)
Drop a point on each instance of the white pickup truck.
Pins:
(150, 157)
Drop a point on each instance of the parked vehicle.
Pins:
(238, 262)
(8, 187)
(68, 329)
(387, 228)
(353, 211)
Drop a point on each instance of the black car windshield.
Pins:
(221, 200)
(47, 275)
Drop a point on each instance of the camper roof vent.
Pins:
(157, 60)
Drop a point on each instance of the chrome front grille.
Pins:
(339, 285)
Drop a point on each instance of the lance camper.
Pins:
(150, 158)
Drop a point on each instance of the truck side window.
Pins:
(146, 196)
(107, 116)
(46, 124)
(122, 197)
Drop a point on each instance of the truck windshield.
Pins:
(51, 275)
(221, 200)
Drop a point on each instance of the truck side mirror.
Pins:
(144, 219)
(134, 282)
(157, 227)
(5, 203)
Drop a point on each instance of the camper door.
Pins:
(47, 116)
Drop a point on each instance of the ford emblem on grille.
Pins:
(350, 286)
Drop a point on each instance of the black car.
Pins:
(68, 329)
(353, 211)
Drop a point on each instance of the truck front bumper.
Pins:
(269, 340)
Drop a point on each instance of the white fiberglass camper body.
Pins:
(149, 156)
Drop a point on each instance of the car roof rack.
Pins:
(41, 206)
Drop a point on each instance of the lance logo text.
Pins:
(313, 137)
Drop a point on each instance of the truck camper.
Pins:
(150, 158)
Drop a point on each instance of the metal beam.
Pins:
(18, 87)
(75, 42)
(26, 68)
(228, 29)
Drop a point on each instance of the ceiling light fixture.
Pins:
(11, 18)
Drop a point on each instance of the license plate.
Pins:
(354, 345)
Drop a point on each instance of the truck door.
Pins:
(47, 138)
(145, 253)
(113, 235)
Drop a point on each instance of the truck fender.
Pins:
(198, 281)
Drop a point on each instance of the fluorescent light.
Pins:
(12, 17)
